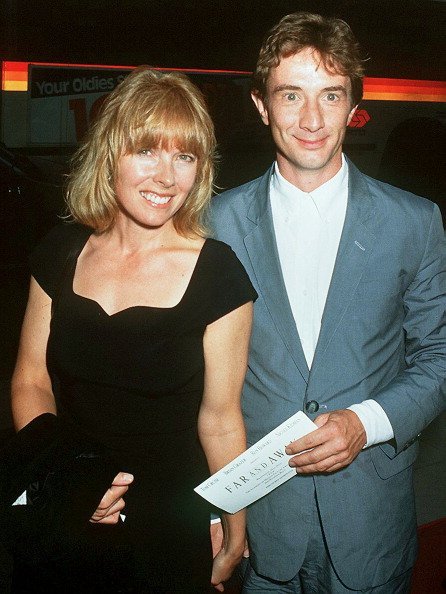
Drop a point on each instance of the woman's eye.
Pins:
(144, 152)
(187, 158)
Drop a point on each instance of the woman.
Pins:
(145, 350)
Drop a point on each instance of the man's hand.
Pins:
(337, 441)
(112, 503)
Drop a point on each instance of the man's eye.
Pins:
(332, 97)
(291, 96)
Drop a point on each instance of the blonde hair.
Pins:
(147, 109)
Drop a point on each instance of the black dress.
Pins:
(133, 381)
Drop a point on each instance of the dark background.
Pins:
(402, 38)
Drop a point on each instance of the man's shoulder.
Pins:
(232, 212)
(243, 188)
(238, 198)
(391, 199)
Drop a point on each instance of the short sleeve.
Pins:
(48, 259)
(227, 281)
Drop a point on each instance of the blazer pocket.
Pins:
(387, 467)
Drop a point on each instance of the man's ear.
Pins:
(261, 107)
(351, 114)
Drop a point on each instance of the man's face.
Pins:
(308, 110)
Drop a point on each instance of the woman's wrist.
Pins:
(234, 540)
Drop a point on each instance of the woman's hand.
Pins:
(220, 423)
(224, 564)
(112, 502)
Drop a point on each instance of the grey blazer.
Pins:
(383, 336)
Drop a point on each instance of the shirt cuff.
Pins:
(376, 423)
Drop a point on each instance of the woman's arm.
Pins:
(31, 392)
(220, 422)
(32, 395)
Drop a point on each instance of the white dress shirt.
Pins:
(308, 227)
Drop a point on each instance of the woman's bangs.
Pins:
(167, 126)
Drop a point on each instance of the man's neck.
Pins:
(308, 180)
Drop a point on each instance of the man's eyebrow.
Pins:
(280, 88)
(335, 88)
(286, 87)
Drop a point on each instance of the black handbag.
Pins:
(64, 480)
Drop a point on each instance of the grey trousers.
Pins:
(317, 575)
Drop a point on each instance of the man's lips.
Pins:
(312, 143)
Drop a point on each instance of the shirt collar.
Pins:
(328, 197)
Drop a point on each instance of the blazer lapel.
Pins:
(262, 250)
(355, 247)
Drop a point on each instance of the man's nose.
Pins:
(311, 117)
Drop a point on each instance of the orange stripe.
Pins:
(395, 89)
(15, 75)
(385, 82)
(389, 96)
(421, 90)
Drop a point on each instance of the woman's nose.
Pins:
(164, 173)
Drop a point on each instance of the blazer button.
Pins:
(312, 406)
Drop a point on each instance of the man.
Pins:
(349, 327)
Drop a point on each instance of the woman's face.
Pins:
(153, 184)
